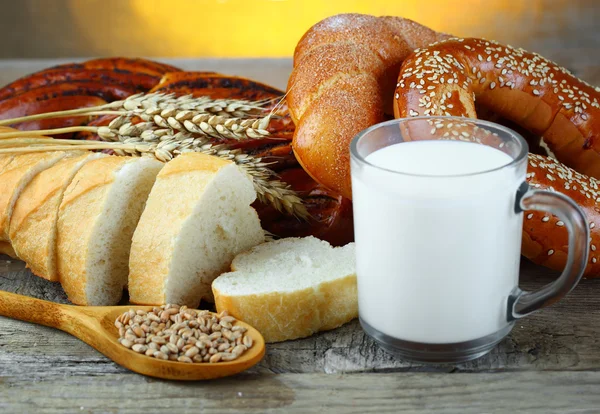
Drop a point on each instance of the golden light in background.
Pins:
(270, 28)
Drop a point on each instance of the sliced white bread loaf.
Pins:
(197, 218)
(33, 223)
(15, 176)
(290, 288)
(96, 219)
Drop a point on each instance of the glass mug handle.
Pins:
(522, 303)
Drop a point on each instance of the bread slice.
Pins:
(198, 217)
(291, 288)
(5, 159)
(14, 178)
(33, 223)
(96, 219)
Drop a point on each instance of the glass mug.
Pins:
(438, 214)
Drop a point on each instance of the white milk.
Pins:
(437, 257)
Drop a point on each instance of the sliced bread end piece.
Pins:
(198, 217)
(290, 288)
(35, 215)
(15, 176)
(97, 217)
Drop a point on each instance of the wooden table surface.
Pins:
(550, 363)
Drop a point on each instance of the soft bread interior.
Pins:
(290, 288)
(110, 242)
(286, 265)
(197, 218)
(97, 217)
(221, 225)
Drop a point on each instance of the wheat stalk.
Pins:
(154, 103)
(168, 123)
(206, 125)
(210, 126)
(164, 148)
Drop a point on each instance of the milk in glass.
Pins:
(437, 240)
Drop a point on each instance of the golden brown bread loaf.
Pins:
(345, 68)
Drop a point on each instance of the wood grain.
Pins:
(530, 392)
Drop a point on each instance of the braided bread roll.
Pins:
(345, 68)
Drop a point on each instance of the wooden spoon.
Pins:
(95, 325)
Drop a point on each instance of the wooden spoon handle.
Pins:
(33, 310)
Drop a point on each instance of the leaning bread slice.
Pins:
(197, 218)
(96, 219)
(15, 176)
(5, 159)
(290, 288)
(34, 218)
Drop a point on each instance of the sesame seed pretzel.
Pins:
(447, 77)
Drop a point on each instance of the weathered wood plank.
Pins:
(565, 336)
(531, 392)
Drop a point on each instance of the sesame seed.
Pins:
(550, 252)
(529, 216)
(397, 95)
(536, 92)
(492, 85)
(545, 219)
(593, 246)
(592, 225)
(594, 260)
(560, 223)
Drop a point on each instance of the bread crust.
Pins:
(286, 315)
(545, 237)
(345, 68)
(14, 176)
(33, 223)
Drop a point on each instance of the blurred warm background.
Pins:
(267, 28)
(563, 30)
